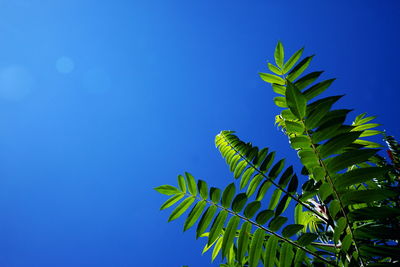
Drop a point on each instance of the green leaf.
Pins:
(306, 239)
(294, 127)
(270, 251)
(349, 158)
(340, 227)
(205, 220)
(256, 247)
(337, 143)
(291, 230)
(203, 189)
(285, 178)
(270, 78)
(263, 216)
(274, 69)
(286, 255)
(295, 100)
(217, 226)
(299, 68)
(243, 241)
(294, 182)
(254, 184)
(317, 89)
(279, 89)
(191, 184)
(182, 183)
(276, 223)
(246, 177)
(263, 190)
(181, 208)
(308, 79)
(298, 259)
(167, 190)
(282, 205)
(239, 169)
(374, 213)
(171, 201)
(194, 214)
(325, 191)
(279, 55)
(229, 235)
(251, 209)
(238, 202)
(359, 175)
(300, 142)
(334, 208)
(366, 196)
(280, 102)
(267, 162)
(292, 60)
(216, 249)
(274, 199)
(215, 194)
(227, 195)
(276, 169)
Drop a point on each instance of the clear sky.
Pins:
(100, 101)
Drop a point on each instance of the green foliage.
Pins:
(347, 210)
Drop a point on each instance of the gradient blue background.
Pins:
(100, 101)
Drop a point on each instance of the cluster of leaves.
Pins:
(346, 213)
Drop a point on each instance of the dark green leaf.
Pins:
(337, 143)
(350, 158)
(359, 175)
(287, 174)
(263, 216)
(306, 239)
(251, 209)
(276, 223)
(282, 205)
(291, 229)
(339, 228)
(276, 169)
(294, 182)
(267, 162)
(317, 89)
(366, 196)
(370, 213)
(227, 195)
(238, 202)
(308, 79)
(181, 208)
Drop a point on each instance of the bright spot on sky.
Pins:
(65, 65)
(15, 83)
(96, 81)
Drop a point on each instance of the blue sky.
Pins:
(100, 101)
